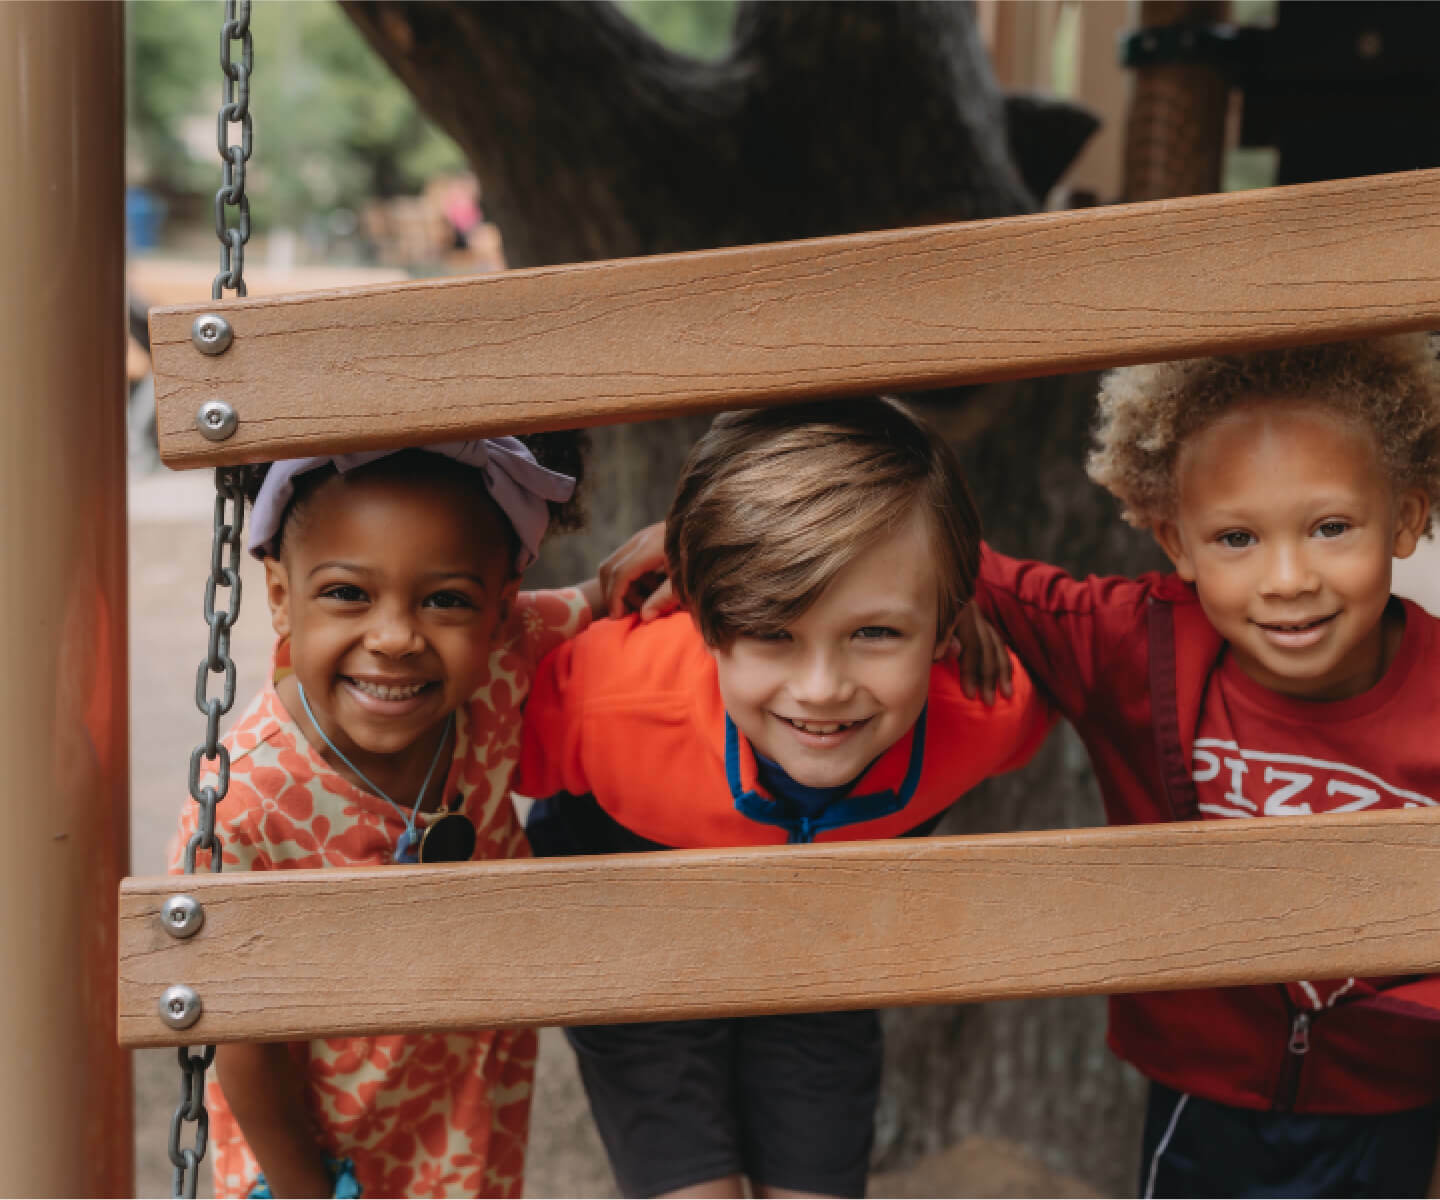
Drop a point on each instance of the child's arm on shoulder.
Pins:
(633, 578)
(1065, 631)
(550, 744)
(265, 1089)
(985, 660)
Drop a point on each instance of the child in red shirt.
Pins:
(1273, 674)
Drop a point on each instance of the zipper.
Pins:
(1296, 1048)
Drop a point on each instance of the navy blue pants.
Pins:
(1195, 1147)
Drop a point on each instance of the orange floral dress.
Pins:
(443, 1114)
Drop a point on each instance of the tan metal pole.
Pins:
(65, 1092)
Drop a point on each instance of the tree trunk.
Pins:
(592, 141)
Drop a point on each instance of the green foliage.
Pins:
(333, 127)
(170, 75)
(701, 28)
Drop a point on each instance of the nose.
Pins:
(1288, 572)
(393, 634)
(821, 679)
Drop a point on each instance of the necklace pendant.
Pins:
(407, 848)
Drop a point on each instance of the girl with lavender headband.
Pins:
(387, 731)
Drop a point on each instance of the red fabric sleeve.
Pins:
(550, 758)
(1067, 632)
(1419, 999)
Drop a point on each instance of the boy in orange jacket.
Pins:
(823, 555)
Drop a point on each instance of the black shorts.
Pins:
(788, 1101)
(1195, 1147)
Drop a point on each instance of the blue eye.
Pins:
(1236, 539)
(875, 633)
(1332, 529)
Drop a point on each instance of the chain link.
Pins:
(234, 108)
(225, 549)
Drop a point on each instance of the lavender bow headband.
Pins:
(515, 481)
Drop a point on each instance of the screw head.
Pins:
(211, 334)
(216, 420)
(182, 916)
(180, 1006)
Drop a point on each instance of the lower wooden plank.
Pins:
(554, 347)
(299, 954)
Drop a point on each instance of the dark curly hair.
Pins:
(563, 451)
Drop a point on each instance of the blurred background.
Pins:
(399, 140)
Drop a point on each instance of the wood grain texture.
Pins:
(299, 954)
(594, 343)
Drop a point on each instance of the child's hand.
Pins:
(984, 657)
(633, 578)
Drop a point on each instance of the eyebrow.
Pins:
(1334, 503)
(334, 564)
(875, 616)
(429, 576)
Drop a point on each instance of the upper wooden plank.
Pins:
(904, 309)
(300, 954)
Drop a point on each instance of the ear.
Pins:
(507, 602)
(946, 637)
(1412, 508)
(277, 595)
(1167, 533)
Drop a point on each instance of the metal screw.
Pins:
(182, 916)
(180, 1006)
(216, 420)
(211, 334)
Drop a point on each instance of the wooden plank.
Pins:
(703, 933)
(904, 309)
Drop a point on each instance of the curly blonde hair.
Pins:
(1391, 385)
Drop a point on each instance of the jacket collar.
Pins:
(877, 793)
(1184, 651)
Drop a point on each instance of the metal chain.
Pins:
(235, 106)
(225, 550)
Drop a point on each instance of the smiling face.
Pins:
(849, 677)
(391, 590)
(1287, 525)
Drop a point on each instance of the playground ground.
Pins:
(169, 551)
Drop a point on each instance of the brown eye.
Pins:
(449, 600)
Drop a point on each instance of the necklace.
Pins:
(406, 850)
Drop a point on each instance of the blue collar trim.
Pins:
(845, 810)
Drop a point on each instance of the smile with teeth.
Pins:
(1294, 628)
(384, 692)
(822, 727)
